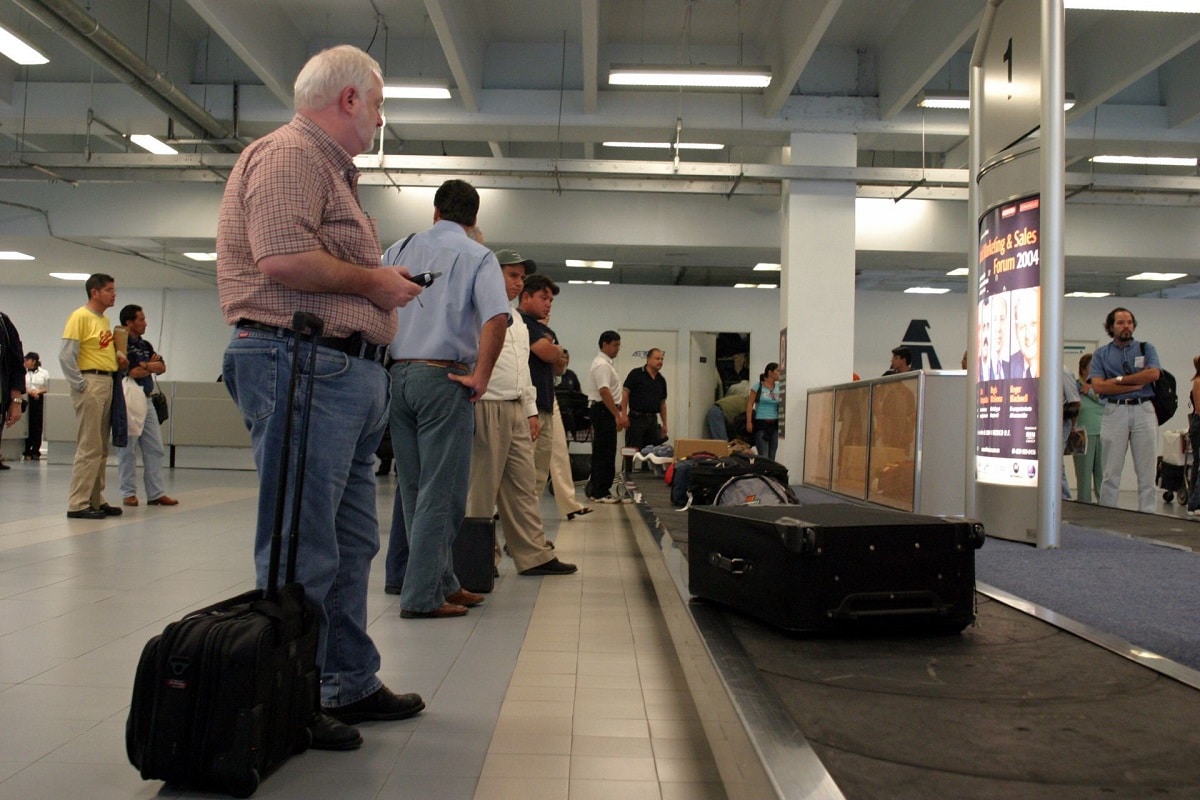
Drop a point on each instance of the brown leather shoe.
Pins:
(447, 610)
(464, 598)
(130, 501)
(162, 501)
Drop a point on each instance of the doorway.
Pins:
(719, 361)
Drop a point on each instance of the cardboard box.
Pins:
(685, 447)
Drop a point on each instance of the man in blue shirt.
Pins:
(443, 355)
(1121, 373)
(144, 364)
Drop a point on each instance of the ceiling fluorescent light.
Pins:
(1180, 6)
(575, 262)
(153, 145)
(693, 76)
(13, 255)
(1157, 276)
(18, 51)
(958, 273)
(202, 256)
(1157, 161)
(71, 276)
(1088, 294)
(961, 101)
(765, 267)
(924, 290)
(947, 99)
(756, 286)
(417, 90)
(593, 283)
(668, 145)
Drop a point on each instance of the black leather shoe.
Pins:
(585, 510)
(86, 513)
(392, 589)
(383, 705)
(330, 734)
(551, 567)
(110, 511)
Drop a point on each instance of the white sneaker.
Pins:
(609, 500)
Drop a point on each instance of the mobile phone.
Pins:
(425, 278)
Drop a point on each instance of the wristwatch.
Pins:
(1120, 379)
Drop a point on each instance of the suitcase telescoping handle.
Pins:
(306, 327)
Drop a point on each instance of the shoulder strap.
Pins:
(403, 245)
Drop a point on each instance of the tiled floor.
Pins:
(563, 687)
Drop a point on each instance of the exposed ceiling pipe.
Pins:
(85, 33)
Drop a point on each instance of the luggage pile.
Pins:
(736, 479)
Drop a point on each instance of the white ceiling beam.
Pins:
(801, 28)
(463, 47)
(1180, 89)
(924, 40)
(263, 37)
(1102, 62)
(590, 43)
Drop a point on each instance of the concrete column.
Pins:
(817, 283)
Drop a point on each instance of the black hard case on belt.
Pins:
(225, 695)
(474, 552)
(836, 566)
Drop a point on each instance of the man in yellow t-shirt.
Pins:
(89, 359)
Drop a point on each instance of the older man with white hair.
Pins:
(292, 236)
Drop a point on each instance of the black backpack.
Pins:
(1166, 397)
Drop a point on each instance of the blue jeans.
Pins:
(433, 424)
(153, 457)
(1193, 502)
(339, 534)
(396, 562)
(1066, 487)
(766, 437)
(715, 421)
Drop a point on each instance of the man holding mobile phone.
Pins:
(442, 361)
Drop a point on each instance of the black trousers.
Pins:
(604, 452)
(36, 410)
(643, 430)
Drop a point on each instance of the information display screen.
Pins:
(1009, 297)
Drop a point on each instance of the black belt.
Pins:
(643, 413)
(96, 371)
(353, 345)
(1133, 401)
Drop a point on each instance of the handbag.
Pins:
(159, 400)
(1077, 442)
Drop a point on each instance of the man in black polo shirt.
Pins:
(537, 297)
(645, 396)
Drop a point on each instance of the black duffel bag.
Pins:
(710, 474)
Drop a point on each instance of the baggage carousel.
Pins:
(1014, 706)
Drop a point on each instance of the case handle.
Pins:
(734, 566)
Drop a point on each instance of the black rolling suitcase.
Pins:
(474, 551)
(836, 566)
(224, 696)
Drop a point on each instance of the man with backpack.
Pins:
(1123, 372)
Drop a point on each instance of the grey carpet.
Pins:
(1147, 594)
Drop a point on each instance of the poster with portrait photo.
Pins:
(1006, 393)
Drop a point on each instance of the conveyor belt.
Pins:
(1013, 707)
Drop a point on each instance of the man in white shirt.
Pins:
(506, 424)
(604, 391)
